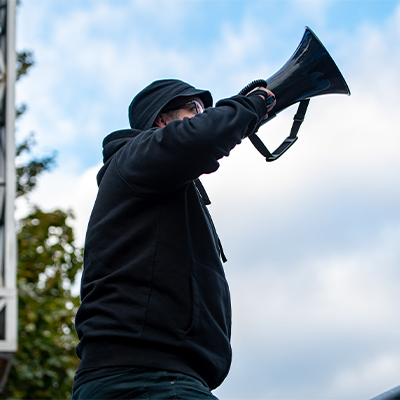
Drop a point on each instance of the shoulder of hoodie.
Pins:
(114, 142)
(121, 134)
(117, 140)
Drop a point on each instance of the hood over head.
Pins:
(148, 103)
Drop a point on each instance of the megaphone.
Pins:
(309, 72)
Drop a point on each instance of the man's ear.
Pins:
(160, 121)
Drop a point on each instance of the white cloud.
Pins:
(65, 190)
(332, 322)
(349, 292)
(384, 366)
(85, 76)
(315, 11)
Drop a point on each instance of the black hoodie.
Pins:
(153, 289)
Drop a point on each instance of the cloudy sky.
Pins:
(313, 238)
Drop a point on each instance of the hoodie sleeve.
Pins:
(161, 160)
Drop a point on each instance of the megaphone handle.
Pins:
(297, 121)
(252, 85)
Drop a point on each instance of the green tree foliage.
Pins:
(25, 60)
(48, 262)
(27, 172)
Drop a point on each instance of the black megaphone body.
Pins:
(309, 72)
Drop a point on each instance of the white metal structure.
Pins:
(8, 240)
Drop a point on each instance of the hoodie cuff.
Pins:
(260, 105)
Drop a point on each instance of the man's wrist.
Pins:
(260, 106)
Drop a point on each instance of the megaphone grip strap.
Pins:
(260, 146)
(299, 117)
(297, 120)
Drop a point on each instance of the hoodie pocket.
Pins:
(211, 305)
(207, 343)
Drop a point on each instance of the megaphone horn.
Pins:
(310, 72)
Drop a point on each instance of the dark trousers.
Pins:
(151, 385)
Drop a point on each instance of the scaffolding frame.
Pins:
(8, 239)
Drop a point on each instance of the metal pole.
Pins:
(8, 291)
(393, 394)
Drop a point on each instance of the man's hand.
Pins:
(268, 93)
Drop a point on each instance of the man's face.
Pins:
(179, 109)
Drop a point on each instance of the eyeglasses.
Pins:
(196, 106)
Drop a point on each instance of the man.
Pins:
(155, 318)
